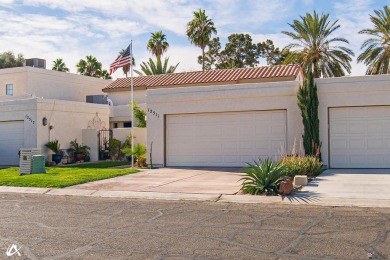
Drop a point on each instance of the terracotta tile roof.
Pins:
(210, 76)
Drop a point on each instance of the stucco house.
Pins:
(232, 123)
(211, 83)
(39, 105)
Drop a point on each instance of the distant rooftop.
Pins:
(211, 77)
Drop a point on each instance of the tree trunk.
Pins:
(315, 72)
(202, 59)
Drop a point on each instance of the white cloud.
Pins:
(187, 56)
(103, 27)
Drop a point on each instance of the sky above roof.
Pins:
(72, 29)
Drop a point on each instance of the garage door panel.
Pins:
(11, 140)
(224, 139)
(359, 137)
(375, 144)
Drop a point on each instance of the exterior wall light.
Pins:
(44, 121)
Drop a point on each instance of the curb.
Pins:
(220, 198)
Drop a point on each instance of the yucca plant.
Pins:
(54, 146)
(262, 177)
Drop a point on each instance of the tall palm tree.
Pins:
(199, 31)
(126, 68)
(377, 49)
(313, 47)
(155, 68)
(104, 74)
(59, 65)
(157, 44)
(89, 67)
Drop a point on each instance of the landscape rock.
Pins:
(286, 187)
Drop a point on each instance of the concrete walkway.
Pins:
(173, 180)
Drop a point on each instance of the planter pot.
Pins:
(56, 158)
(79, 157)
(87, 158)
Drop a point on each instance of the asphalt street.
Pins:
(63, 227)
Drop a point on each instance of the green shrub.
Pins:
(114, 148)
(301, 165)
(139, 153)
(263, 177)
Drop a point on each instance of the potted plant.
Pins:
(80, 151)
(54, 146)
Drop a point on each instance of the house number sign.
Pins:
(30, 119)
(151, 111)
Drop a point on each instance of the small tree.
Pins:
(139, 115)
(308, 104)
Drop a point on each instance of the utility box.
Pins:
(38, 164)
(25, 161)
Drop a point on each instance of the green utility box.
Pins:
(38, 164)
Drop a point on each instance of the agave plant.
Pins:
(263, 177)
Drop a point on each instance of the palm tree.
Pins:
(89, 67)
(157, 44)
(59, 65)
(155, 68)
(377, 49)
(199, 31)
(126, 68)
(104, 74)
(313, 47)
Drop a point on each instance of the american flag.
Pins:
(121, 61)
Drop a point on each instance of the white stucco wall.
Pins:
(120, 111)
(240, 97)
(123, 97)
(68, 118)
(90, 138)
(122, 133)
(50, 84)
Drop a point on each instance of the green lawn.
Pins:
(100, 164)
(60, 177)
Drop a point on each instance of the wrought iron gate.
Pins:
(104, 137)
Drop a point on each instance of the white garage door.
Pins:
(224, 139)
(360, 137)
(11, 140)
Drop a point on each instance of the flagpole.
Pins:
(132, 103)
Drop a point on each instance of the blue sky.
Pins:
(72, 29)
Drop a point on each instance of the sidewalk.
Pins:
(299, 199)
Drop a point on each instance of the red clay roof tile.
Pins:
(210, 76)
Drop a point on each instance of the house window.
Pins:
(9, 89)
(115, 125)
(127, 124)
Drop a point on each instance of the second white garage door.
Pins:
(224, 139)
(11, 140)
(360, 137)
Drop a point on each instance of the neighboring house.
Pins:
(39, 105)
(236, 122)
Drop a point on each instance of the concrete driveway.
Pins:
(350, 184)
(173, 180)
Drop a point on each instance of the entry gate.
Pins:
(104, 137)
